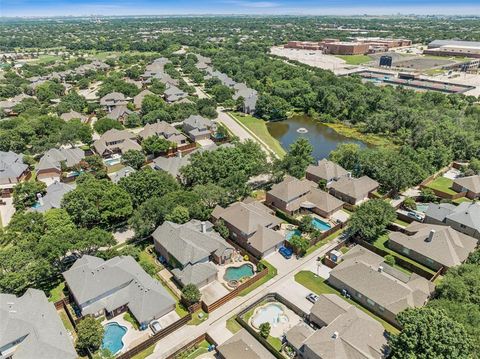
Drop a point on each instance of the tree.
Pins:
(133, 120)
(152, 103)
(222, 229)
(133, 158)
(179, 215)
(428, 195)
(265, 329)
(74, 130)
(298, 158)
(322, 184)
(300, 244)
(221, 93)
(155, 145)
(390, 260)
(104, 124)
(191, 294)
(306, 225)
(89, 335)
(409, 203)
(272, 108)
(371, 218)
(430, 333)
(148, 183)
(25, 194)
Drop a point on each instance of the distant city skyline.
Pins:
(43, 8)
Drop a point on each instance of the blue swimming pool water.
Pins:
(320, 225)
(290, 234)
(112, 161)
(422, 207)
(112, 339)
(237, 273)
(37, 205)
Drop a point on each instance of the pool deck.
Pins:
(279, 329)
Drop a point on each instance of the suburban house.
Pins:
(470, 185)
(190, 248)
(242, 345)
(53, 197)
(344, 332)
(119, 113)
(112, 100)
(198, 128)
(165, 130)
(7, 105)
(432, 245)
(112, 287)
(12, 171)
(115, 177)
(116, 141)
(67, 116)
(464, 218)
(173, 93)
(325, 170)
(30, 327)
(250, 97)
(353, 190)
(57, 160)
(252, 225)
(293, 195)
(155, 68)
(138, 99)
(379, 287)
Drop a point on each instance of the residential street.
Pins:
(284, 283)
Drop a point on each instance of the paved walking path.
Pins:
(218, 318)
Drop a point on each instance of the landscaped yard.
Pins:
(319, 286)
(381, 243)
(259, 128)
(57, 293)
(272, 272)
(400, 222)
(324, 241)
(196, 351)
(198, 317)
(442, 184)
(66, 323)
(232, 325)
(355, 59)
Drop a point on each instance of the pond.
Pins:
(323, 138)
(112, 339)
(237, 273)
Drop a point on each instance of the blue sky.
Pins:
(184, 7)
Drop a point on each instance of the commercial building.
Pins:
(454, 48)
(346, 48)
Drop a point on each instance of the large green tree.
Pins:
(297, 159)
(89, 335)
(371, 218)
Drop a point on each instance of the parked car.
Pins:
(312, 298)
(155, 326)
(415, 216)
(286, 252)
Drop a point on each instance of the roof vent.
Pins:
(430, 235)
(204, 227)
(380, 269)
(335, 335)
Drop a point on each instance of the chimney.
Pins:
(204, 227)
(380, 269)
(335, 335)
(430, 235)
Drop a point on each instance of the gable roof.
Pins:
(11, 166)
(53, 158)
(393, 290)
(33, 320)
(446, 246)
(471, 183)
(357, 188)
(187, 243)
(243, 346)
(291, 188)
(125, 139)
(163, 129)
(118, 112)
(197, 121)
(439, 211)
(118, 281)
(138, 99)
(113, 98)
(67, 116)
(327, 170)
(466, 213)
(118, 175)
(194, 274)
(53, 197)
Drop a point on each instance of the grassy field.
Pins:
(272, 272)
(355, 59)
(42, 59)
(319, 286)
(381, 243)
(259, 128)
(400, 222)
(442, 184)
(66, 323)
(461, 200)
(352, 132)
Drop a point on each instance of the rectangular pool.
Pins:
(320, 225)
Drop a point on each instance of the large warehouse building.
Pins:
(453, 48)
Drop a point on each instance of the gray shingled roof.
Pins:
(118, 112)
(163, 129)
(243, 346)
(327, 170)
(187, 243)
(471, 183)
(11, 166)
(54, 157)
(194, 274)
(67, 116)
(113, 99)
(118, 175)
(439, 211)
(53, 197)
(118, 281)
(466, 213)
(33, 321)
(357, 188)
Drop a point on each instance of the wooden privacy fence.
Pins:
(156, 337)
(215, 305)
(327, 233)
(191, 344)
(62, 304)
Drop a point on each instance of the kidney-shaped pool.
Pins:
(112, 339)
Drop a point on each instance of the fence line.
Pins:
(191, 344)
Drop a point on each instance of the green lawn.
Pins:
(115, 168)
(57, 293)
(400, 222)
(232, 325)
(272, 272)
(442, 184)
(66, 323)
(145, 353)
(324, 241)
(196, 320)
(319, 286)
(381, 243)
(131, 319)
(275, 342)
(259, 128)
(355, 59)
(196, 351)
(461, 200)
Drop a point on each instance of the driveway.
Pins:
(320, 270)
(7, 210)
(295, 293)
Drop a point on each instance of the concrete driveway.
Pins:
(321, 270)
(7, 210)
(296, 293)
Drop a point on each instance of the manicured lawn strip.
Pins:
(400, 222)
(355, 59)
(66, 323)
(442, 184)
(319, 286)
(196, 351)
(57, 293)
(179, 308)
(145, 353)
(275, 342)
(131, 319)
(381, 243)
(259, 128)
(196, 320)
(272, 272)
(461, 200)
(232, 325)
(324, 241)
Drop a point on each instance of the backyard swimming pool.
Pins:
(271, 313)
(112, 161)
(290, 234)
(422, 207)
(112, 339)
(237, 273)
(320, 225)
